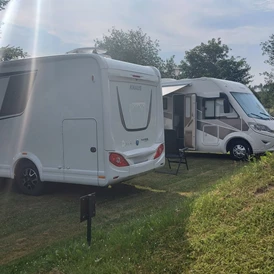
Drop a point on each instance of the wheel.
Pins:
(240, 150)
(28, 180)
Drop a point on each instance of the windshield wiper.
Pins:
(268, 116)
(258, 116)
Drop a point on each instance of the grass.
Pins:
(142, 226)
(231, 229)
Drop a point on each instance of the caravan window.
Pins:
(214, 108)
(165, 103)
(16, 94)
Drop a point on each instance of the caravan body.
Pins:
(79, 118)
(217, 116)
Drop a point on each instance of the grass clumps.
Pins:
(231, 229)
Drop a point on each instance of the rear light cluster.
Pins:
(159, 151)
(118, 160)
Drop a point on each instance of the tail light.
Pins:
(118, 160)
(159, 151)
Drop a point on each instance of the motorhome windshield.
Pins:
(251, 105)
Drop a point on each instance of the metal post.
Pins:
(89, 221)
(87, 212)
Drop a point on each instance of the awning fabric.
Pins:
(168, 90)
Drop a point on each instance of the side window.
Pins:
(17, 94)
(209, 108)
(165, 103)
(214, 108)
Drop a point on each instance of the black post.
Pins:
(89, 221)
(87, 211)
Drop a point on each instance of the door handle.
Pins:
(93, 149)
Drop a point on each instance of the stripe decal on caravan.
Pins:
(223, 131)
(210, 129)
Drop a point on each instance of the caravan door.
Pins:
(80, 151)
(190, 121)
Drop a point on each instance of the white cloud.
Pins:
(179, 25)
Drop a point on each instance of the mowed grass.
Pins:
(140, 226)
(231, 229)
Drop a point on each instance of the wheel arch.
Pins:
(235, 139)
(26, 157)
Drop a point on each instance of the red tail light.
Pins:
(118, 160)
(159, 151)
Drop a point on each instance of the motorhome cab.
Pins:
(78, 118)
(217, 116)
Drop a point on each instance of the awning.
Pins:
(168, 90)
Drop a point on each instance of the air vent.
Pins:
(90, 50)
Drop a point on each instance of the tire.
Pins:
(28, 180)
(240, 150)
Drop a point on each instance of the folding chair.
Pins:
(173, 152)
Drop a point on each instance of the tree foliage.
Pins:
(168, 68)
(8, 53)
(133, 46)
(268, 50)
(212, 60)
(3, 3)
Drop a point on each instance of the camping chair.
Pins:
(173, 152)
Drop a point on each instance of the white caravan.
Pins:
(217, 116)
(78, 118)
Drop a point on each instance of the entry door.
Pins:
(80, 160)
(190, 121)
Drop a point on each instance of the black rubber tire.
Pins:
(240, 150)
(28, 180)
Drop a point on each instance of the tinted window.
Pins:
(214, 108)
(17, 94)
(165, 103)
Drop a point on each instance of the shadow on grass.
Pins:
(70, 191)
(209, 156)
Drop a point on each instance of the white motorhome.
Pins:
(217, 116)
(78, 118)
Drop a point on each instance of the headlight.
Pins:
(259, 127)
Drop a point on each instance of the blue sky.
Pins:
(44, 27)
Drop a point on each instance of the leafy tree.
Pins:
(136, 47)
(268, 49)
(3, 3)
(133, 46)
(8, 53)
(168, 68)
(212, 60)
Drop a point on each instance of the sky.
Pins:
(45, 27)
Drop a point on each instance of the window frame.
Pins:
(217, 117)
(13, 89)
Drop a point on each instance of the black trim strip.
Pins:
(10, 117)
(8, 74)
(122, 116)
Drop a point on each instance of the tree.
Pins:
(8, 53)
(134, 46)
(3, 3)
(168, 68)
(212, 60)
(268, 49)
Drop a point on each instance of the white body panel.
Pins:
(214, 134)
(70, 122)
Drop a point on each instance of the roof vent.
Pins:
(90, 50)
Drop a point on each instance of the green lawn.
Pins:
(43, 234)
